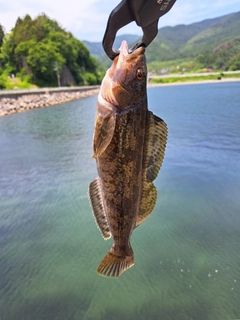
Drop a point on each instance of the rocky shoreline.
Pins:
(13, 103)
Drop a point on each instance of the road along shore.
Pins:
(13, 101)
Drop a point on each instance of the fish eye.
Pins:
(139, 74)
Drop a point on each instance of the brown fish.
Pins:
(129, 143)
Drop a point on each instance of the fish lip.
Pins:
(124, 48)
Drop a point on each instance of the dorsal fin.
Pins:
(155, 148)
(156, 144)
(96, 201)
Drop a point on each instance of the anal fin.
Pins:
(98, 208)
(147, 203)
(156, 144)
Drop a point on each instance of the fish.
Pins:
(129, 143)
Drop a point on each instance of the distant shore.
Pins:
(152, 84)
(19, 101)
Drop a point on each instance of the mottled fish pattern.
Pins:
(128, 144)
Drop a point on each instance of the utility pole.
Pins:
(83, 73)
(55, 67)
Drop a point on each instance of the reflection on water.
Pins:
(186, 254)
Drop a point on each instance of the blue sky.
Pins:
(87, 19)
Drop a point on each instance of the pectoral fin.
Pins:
(156, 144)
(147, 203)
(104, 130)
(98, 208)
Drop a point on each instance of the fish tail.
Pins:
(114, 265)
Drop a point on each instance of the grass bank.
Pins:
(189, 78)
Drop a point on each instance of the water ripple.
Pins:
(186, 252)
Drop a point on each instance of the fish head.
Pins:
(124, 84)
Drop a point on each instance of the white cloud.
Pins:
(187, 11)
(79, 17)
(87, 19)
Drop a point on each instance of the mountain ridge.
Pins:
(96, 49)
(188, 41)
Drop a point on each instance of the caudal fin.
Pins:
(113, 265)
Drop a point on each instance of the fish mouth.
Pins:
(124, 51)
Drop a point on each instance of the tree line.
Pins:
(41, 52)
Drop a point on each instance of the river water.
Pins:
(187, 254)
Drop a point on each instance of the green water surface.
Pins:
(187, 254)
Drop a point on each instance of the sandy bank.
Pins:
(13, 102)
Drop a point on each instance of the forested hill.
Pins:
(40, 51)
(212, 43)
(190, 40)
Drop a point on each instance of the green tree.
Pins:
(234, 63)
(1, 35)
(36, 46)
